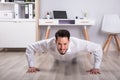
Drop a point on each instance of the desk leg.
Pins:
(85, 31)
(47, 32)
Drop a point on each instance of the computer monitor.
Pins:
(59, 14)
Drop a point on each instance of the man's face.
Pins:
(62, 44)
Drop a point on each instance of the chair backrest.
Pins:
(111, 24)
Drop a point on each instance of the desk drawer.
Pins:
(84, 22)
(48, 22)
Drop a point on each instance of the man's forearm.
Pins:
(98, 57)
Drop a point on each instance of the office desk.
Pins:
(67, 22)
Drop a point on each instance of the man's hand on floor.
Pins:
(94, 71)
(33, 69)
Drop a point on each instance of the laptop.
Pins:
(59, 14)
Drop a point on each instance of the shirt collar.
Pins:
(69, 49)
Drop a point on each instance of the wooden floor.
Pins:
(13, 66)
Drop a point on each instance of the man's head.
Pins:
(62, 40)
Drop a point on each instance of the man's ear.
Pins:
(69, 40)
(55, 40)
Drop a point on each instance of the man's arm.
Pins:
(37, 47)
(96, 50)
(91, 47)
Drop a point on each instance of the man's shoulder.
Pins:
(51, 40)
(76, 40)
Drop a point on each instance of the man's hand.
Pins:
(94, 71)
(32, 69)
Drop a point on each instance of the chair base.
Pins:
(107, 43)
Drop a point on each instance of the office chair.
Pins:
(111, 26)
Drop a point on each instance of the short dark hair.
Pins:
(62, 33)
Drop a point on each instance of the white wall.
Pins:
(95, 8)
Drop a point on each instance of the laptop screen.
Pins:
(60, 14)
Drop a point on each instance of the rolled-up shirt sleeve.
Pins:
(37, 47)
(96, 50)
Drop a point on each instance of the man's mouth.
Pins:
(62, 53)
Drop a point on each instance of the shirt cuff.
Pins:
(31, 64)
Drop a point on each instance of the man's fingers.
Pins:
(88, 70)
(93, 71)
(31, 70)
(37, 69)
(99, 73)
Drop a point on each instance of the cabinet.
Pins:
(17, 34)
(17, 23)
(17, 8)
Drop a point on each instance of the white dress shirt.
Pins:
(75, 46)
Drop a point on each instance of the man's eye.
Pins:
(65, 44)
(59, 44)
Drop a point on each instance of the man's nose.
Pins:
(62, 47)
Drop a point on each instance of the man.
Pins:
(64, 48)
